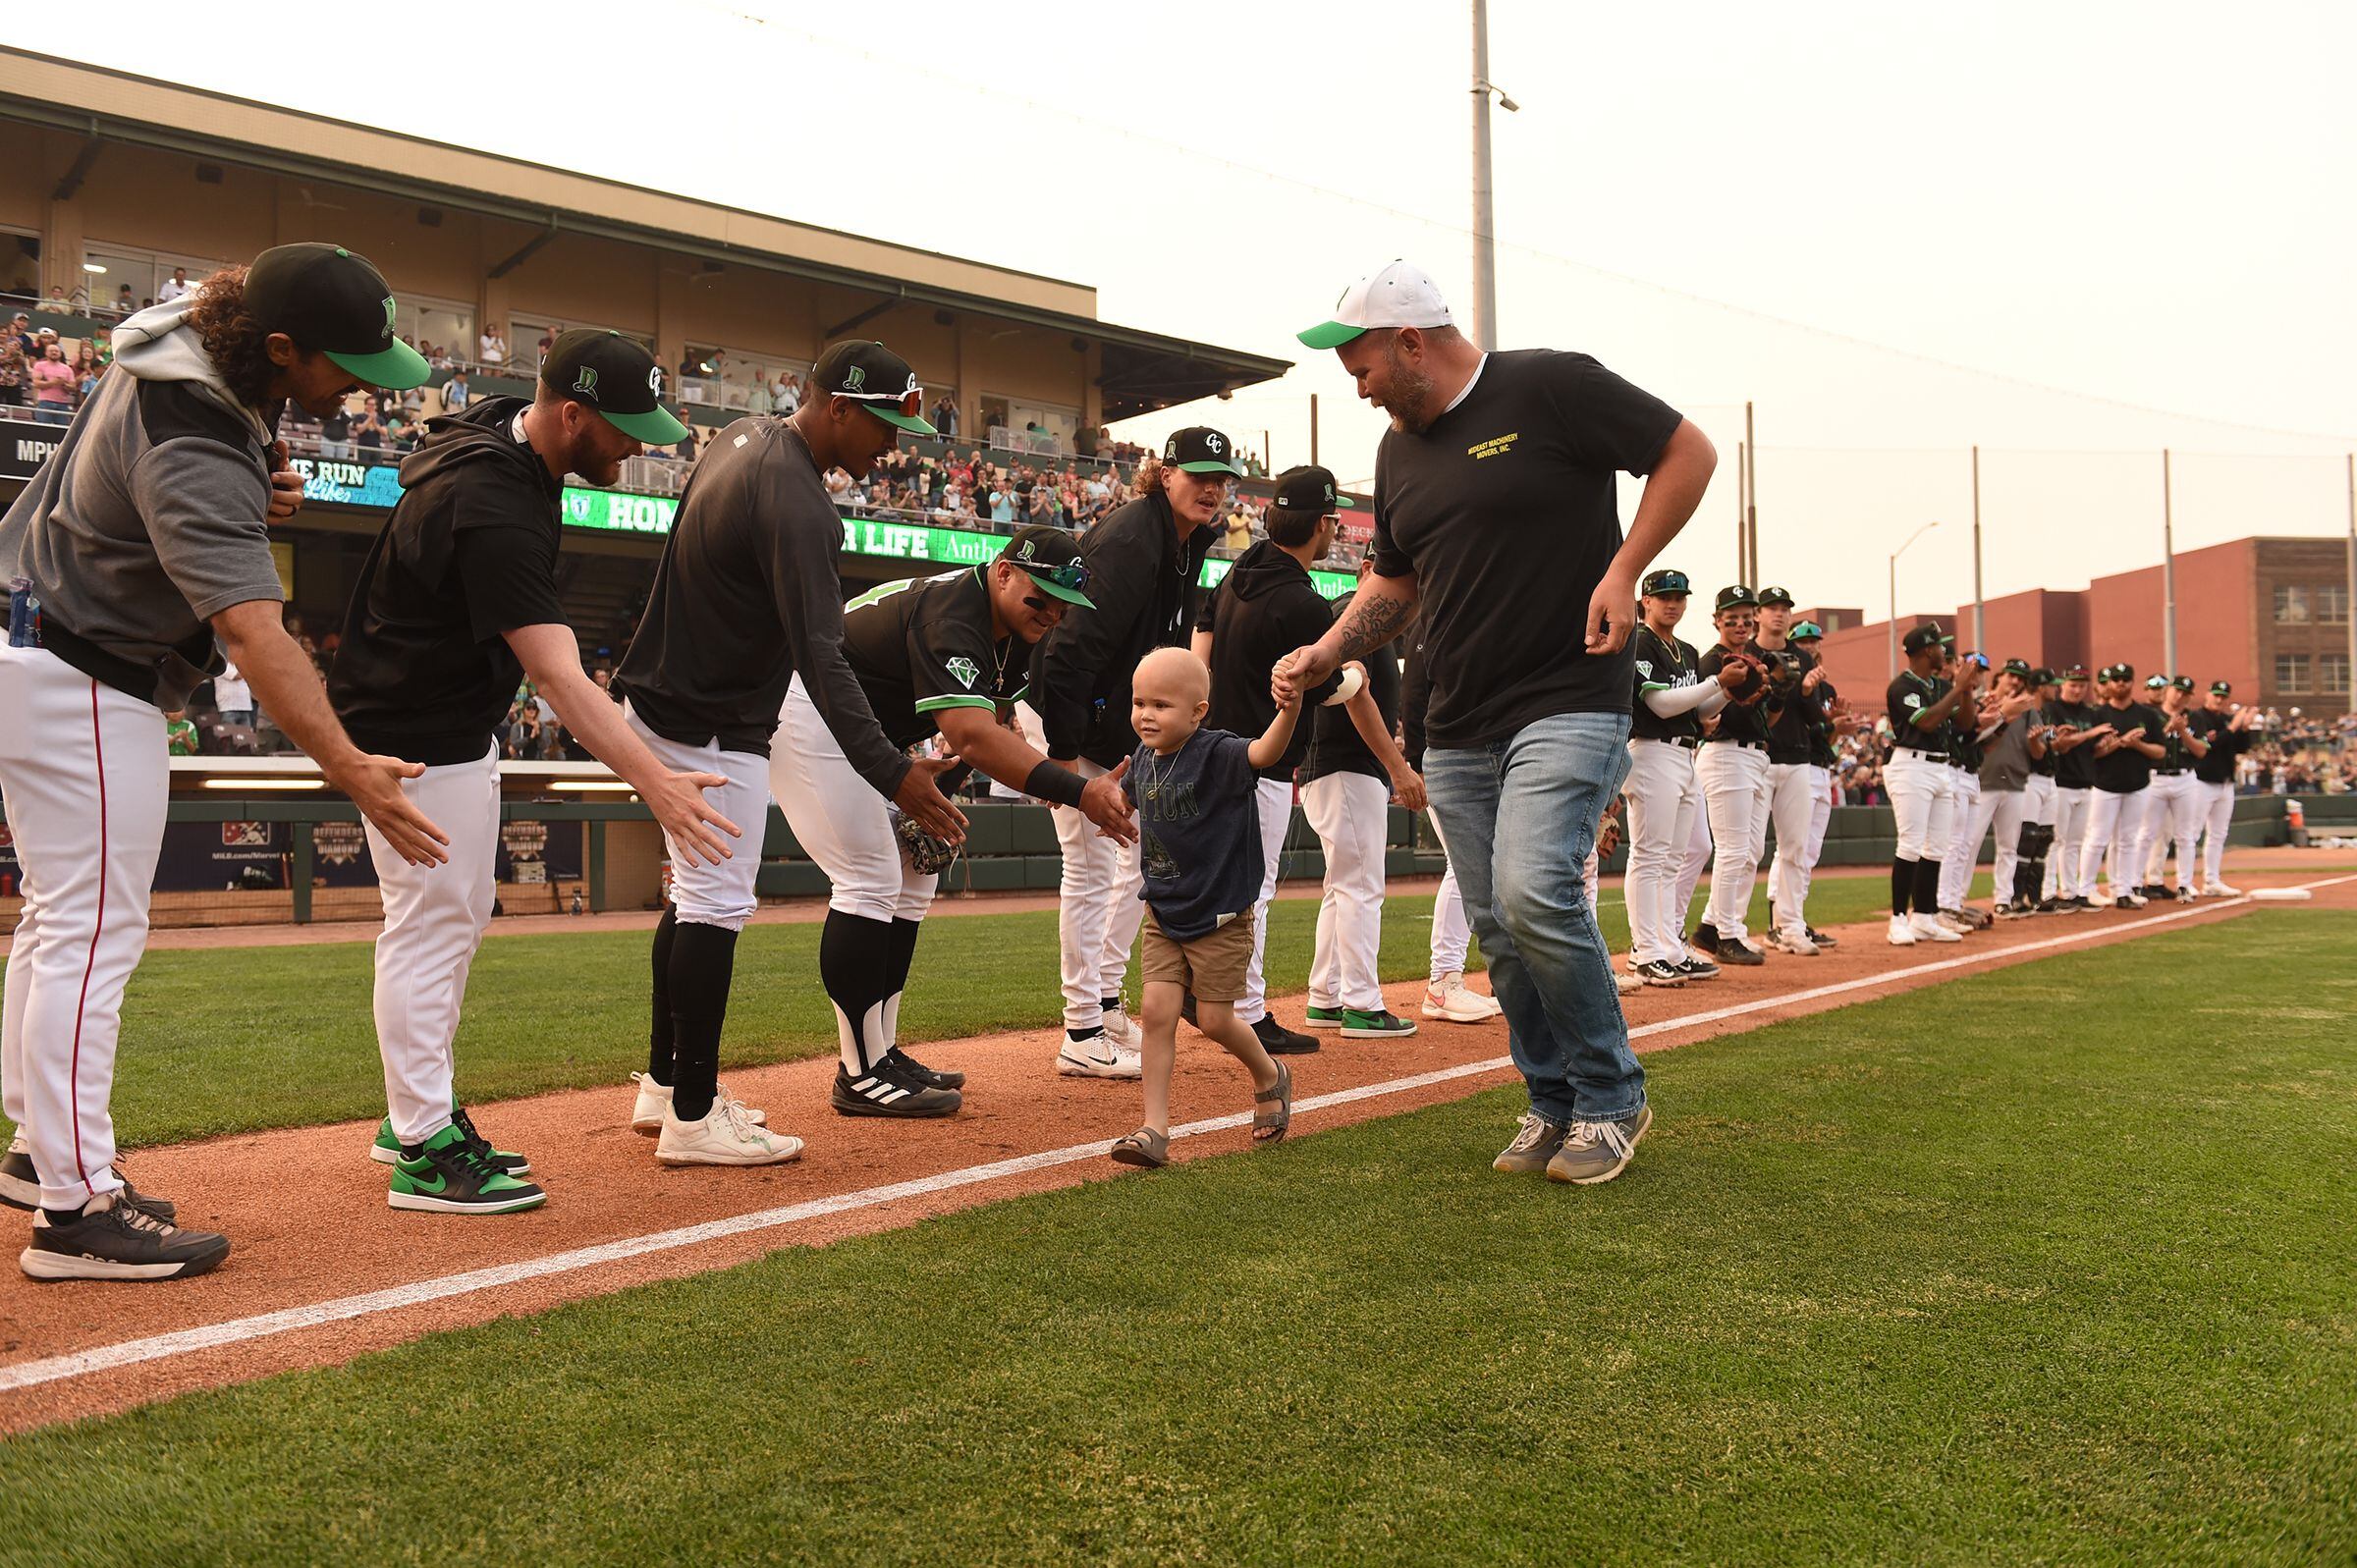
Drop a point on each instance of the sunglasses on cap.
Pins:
(910, 403)
(1072, 575)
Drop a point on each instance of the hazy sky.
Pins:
(2143, 203)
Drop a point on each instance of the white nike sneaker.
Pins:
(727, 1136)
(1796, 943)
(1121, 1030)
(1626, 983)
(1927, 928)
(654, 1101)
(2219, 890)
(1450, 998)
(1097, 1058)
(1902, 932)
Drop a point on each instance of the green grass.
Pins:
(2046, 1263)
(220, 1041)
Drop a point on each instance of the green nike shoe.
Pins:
(1323, 1018)
(456, 1176)
(386, 1151)
(1381, 1024)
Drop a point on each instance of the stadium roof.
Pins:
(1141, 370)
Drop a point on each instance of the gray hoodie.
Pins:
(151, 518)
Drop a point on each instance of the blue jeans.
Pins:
(1520, 816)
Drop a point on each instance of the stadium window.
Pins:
(2332, 603)
(2332, 671)
(2291, 674)
(2291, 604)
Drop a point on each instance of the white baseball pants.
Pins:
(839, 819)
(1276, 797)
(1963, 851)
(1451, 932)
(1349, 812)
(2180, 806)
(1732, 775)
(1696, 856)
(2111, 835)
(2004, 810)
(1098, 911)
(85, 775)
(2217, 823)
(1664, 799)
(721, 895)
(435, 917)
(1787, 800)
(1923, 797)
(2073, 810)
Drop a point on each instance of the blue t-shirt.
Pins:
(1199, 827)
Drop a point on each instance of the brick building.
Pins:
(2270, 614)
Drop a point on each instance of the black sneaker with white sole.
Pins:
(1694, 968)
(116, 1240)
(1705, 939)
(932, 1077)
(1661, 972)
(1741, 953)
(21, 1186)
(1279, 1041)
(891, 1089)
(1821, 940)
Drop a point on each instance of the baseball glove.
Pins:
(1754, 682)
(924, 853)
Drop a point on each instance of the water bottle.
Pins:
(24, 614)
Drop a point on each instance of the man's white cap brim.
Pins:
(1398, 295)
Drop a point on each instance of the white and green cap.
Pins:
(1398, 295)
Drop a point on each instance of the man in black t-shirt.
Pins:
(947, 655)
(1921, 705)
(1666, 720)
(2077, 727)
(2124, 762)
(1794, 707)
(2180, 802)
(1820, 712)
(457, 604)
(1732, 773)
(1496, 511)
(2227, 728)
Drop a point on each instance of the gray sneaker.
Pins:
(1534, 1145)
(1598, 1151)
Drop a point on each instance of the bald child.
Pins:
(1199, 846)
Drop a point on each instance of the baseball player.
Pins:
(1664, 797)
(1145, 560)
(1973, 723)
(456, 603)
(1795, 698)
(1920, 705)
(2037, 798)
(2078, 725)
(948, 655)
(746, 600)
(1446, 993)
(2180, 805)
(2228, 730)
(138, 546)
(1731, 772)
(2012, 739)
(1353, 773)
(1265, 608)
(2123, 760)
(1829, 717)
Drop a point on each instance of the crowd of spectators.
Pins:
(51, 375)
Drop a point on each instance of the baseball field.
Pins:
(2033, 1248)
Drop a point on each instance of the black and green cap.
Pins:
(1776, 597)
(1311, 489)
(617, 377)
(328, 300)
(1667, 581)
(1927, 635)
(1735, 596)
(2221, 688)
(1052, 556)
(2116, 671)
(2042, 676)
(1199, 449)
(2183, 683)
(877, 380)
(2076, 672)
(2017, 667)
(1805, 631)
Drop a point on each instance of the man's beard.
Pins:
(1409, 400)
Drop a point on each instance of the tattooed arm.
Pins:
(1380, 610)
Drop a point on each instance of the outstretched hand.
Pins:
(1104, 802)
(920, 800)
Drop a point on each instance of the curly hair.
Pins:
(1150, 475)
(238, 345)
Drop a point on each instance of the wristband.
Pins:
(1056, 784)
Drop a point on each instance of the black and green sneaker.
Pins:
(456, 1176)
(1381, 1024)
(386, 1151)
(1323, 1017)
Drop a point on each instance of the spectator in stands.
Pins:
(456, 392)
(687, 445)
(491, 348)
(57, 305)
(787, 396)
(179, 735)
(86, 372)
(174, 287)
(233, 698)
(53, 386)
(1002, 502)
(14, 372)
(125, 302)
(20, 328)
(945, 415)
(548, 339)
(369, 436)
(1238, 529)
(335, 435)
(760, 400)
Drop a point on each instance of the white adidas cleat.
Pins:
(1097, 1058)
(727, 1136)
(654, 1100)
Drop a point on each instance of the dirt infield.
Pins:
(322, 1272)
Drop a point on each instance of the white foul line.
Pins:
(185, 1341)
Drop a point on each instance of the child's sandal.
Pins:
(1269, 1126)
(1146, 1149)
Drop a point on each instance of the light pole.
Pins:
(1485, 236)
(1894, 622)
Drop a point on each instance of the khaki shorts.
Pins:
(1214, 967)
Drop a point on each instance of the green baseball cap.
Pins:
(617, 377)
(877, 380)
(1052, 560)
(1807, 631)
(328, 300)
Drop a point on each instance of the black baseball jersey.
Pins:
(1821, 727)
(2126, 770)
(1909, 696)
(1745, 721)
(2176, 755)
(2226, 744)
(924, 644)
(1789, 718)
(2041, 767)
(1965, 747)
(1664, 664)
(2075, 768)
